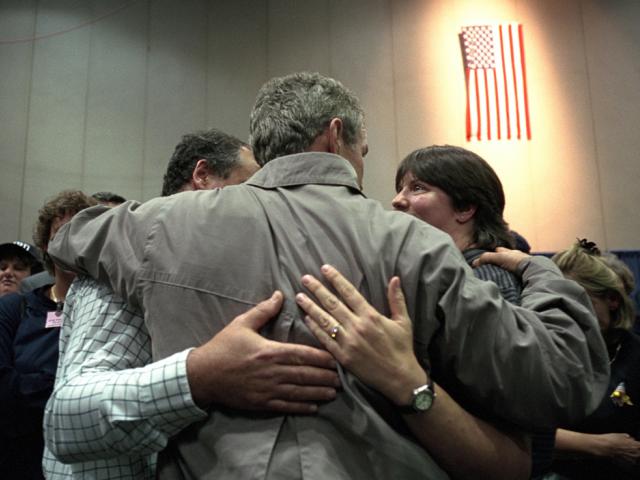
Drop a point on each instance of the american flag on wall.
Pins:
(495, 74)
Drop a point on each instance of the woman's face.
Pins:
(12, 272)
(603, 305)
(426, 202)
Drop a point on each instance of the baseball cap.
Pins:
(20, 248)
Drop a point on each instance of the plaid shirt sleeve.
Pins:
(109, 398)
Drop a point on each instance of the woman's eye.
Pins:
(417, 188)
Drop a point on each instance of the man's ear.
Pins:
(466, 214)
(200, 174)
(335, 140)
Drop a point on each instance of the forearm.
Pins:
(571, 345)
(123, 412)
(465, 446)
(570, 441)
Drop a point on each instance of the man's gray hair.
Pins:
(291, 111)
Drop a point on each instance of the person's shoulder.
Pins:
(471, 254)
(85, 291)
(11, 307)
(34, 281)
(403, 222)
(11, 301)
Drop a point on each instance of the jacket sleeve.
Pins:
(540, 365)
(108, 244)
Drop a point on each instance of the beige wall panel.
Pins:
(237, 65)
(429, 78)
(57, 106)
(299, 36)
(362, 58)
(17, 21)
(176, 82)
(114, 147)
(563, 158)
(612, 34)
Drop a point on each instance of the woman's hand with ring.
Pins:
(377, 349)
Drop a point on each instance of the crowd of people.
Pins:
(263, 319)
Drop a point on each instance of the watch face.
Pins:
(423, 401)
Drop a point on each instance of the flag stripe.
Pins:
(515, 80)
(495, 85)
(467, 74)
(504, 78)
(524, 80)
(487, 105)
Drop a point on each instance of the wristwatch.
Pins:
(422, 399)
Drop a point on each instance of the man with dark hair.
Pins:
(105, 356)
(206, 160)
(109, 199)
(205, 258)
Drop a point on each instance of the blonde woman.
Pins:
(606, 444)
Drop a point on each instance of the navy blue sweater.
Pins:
(28, 361)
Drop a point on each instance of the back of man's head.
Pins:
(291, 111)
(219, 149)
(109, 199)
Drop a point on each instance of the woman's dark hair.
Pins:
(66, 202)
(469, 181)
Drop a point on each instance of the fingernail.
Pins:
(301, 297)
(306, 279)
(325, 268)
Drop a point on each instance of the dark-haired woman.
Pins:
(455, 190)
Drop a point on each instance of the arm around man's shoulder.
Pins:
(541, 364)
(110, 244)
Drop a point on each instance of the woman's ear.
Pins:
(466, 214)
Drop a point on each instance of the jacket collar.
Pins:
(306, 168)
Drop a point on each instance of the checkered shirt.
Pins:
(111, 409)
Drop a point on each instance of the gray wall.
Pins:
(102, 95)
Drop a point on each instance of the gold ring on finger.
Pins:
(333, 333)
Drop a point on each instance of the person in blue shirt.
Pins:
(29, 332)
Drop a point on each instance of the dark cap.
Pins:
(20, 248)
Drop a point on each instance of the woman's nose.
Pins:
(400, 202)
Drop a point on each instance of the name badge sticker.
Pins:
(54, 320)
